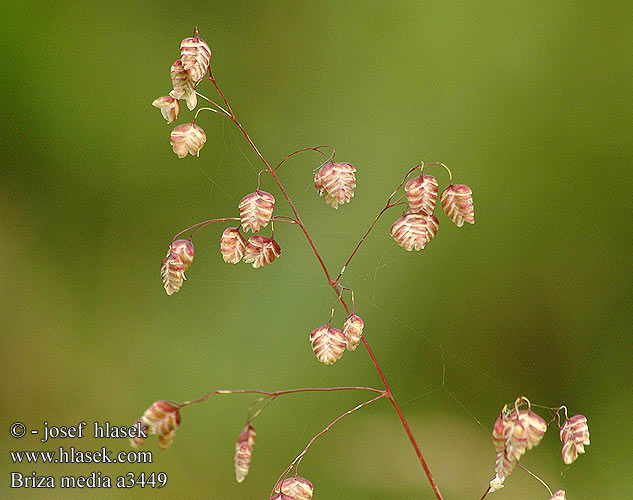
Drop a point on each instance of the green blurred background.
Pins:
(529, 103)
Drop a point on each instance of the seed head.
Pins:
(353, 331)
(413, 231)
(161, 419)
(457, 202)
(256, 210)
(195, 55)
(184, 86)
(169, 107)
(261, 251)
(294, 488)
(421, 193)
(232, 245)
(187, 138)
(328, 344)
(244, 452)
(558, 495)
(337, 182)
(574, 434)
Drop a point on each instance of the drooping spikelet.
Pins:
(256, 210)
(336, 181)
(328, 343)
(457, 202)
(353, 331)
(421, 193)
(232, 245)
(161, 419)
(244, 452)
(195, 55)
(574, 434)
(413, 231)
(187, 138)
(179, 257)
(169, 107)
(513, 433)
(295, 488)
(261, 251)
(558, 495)
(184, 86)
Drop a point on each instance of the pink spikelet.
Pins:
(574, 434)
(514, 432)
(261, 251)
(421, 193)
(187, 138)
(353, 331)
(328, 343)
(413, 231)
(244, 452)
(457, 202)
(256, 210)
(184, 86)
(138, 440)
(195, 55)
(232, 245)
(169, 107)
(294, 488)
(179, 258)
(558, 495)
(336, 181)
(161, 419)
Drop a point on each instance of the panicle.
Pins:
(261, 251)
(457, 202)
(169, 107)
(328, 343)
(336, 180)
(161, 419)
(421, 193)
(187, 138)
(574, 434)
(413, 231)
(256, 210)
(184, 86)
(294, 488)
(232, 245)
(195, 55)
(244, 452)
(353, 331)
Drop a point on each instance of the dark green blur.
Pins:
(529, 103)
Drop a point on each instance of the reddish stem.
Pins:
(334, 283)
(279, 393)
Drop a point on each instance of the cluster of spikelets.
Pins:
(163, 418)
(517, 430)
(256, 212)
(186, 73)
(329, 343)
(418, 226)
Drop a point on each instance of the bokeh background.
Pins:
(529, 103)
